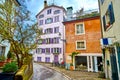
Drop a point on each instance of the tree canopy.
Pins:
(17, 27)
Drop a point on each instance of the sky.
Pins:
(35, 6)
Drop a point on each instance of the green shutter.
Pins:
(104, 23)
(111, 11)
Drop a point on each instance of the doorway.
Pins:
(113, 64)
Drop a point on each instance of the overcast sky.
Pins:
(36, 6)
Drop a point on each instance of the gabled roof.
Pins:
(49, 7)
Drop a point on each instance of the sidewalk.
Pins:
(74, 75)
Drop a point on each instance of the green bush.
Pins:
(2, 58)
(9, 55)
(10, 67)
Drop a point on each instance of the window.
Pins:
(49, 11)
(43, 41)
(48, 20)
(79, 28)
(80, 45)
(56, 30)
(55, 50)
(56, 19)
(56, 11)
(47, 59)
(47, 50)
(38, 50)
(2, 50)
(108, 18)
(43, 50)
(48, 41)
(39, 59)
(56, 40)
(48, 31)
(41, 16)
(39, 41)
(41, 22)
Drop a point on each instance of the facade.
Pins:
(83, 36)
(50, 45)
(110, 42)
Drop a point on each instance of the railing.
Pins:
(26, 71)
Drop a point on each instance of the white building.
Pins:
(110, 20)
(51, 42)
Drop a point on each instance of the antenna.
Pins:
(53, 2)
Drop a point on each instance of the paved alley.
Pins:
(44, 73)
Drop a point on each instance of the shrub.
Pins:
(9, 55)
(10, 67)
(2, 58)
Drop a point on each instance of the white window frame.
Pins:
(84, 45)
(39, 50)
(76, 29)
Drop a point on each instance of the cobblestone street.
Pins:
(74, 75)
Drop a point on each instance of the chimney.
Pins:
(69, 13)
(45, 3)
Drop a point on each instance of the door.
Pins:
(55, 58)
(113, 64)
(118, 52)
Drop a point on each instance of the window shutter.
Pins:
(51, 20)
(51, 30)
(59, 50)
(36, 50)
(54, 30)
(46, 21)
(112, 19)
(51, 50)
(57, 39)
(42, 41)
(104, 23)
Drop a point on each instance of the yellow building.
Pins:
(110, 43)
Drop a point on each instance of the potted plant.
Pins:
(9, 70)
(71, 66)
(10, 67)
(72, 56)
(9, 56)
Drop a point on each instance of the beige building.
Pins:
(110, 43)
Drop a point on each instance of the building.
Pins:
(50, 44)
(110, 41)
(83, 35)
